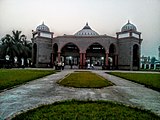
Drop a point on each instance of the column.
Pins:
(52, 55)
(130, 34)
(145, 66)
(141, 66)
(81, 60)
(131, 58)
(155, 66)
(106, 62)
(149, 66)
(59, 57)
(84, 59)
(116, 61)
(139, 36)
(117, 35)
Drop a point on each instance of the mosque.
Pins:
(88, 48)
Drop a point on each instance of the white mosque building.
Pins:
(88, 47)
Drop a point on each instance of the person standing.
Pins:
(62, 65)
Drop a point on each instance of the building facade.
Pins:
(88, 48)
(159, 53)
(148, 63)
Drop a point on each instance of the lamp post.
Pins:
(102, 61)
(15, 61)
(70, 61)
(7, 57)
(7, 61)
(22, 63)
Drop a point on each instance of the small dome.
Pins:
(42, 27)
(128, 27)
(86, 31)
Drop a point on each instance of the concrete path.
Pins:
(46, 91)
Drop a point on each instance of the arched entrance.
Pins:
(70, 54)
(95, 55)
(34, 55)
(136, 58)
(112, 61)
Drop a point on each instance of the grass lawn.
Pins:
(86, 110)
(12, 77)
(150, 80)
(84, 80)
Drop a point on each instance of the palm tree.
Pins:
(18, 43)
(8, 47)
(26, 49)
(16, 46)
(23, 47)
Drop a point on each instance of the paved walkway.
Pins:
(46, 91)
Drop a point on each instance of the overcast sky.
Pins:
(69, 16)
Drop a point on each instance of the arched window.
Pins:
(112, 49)
(136, 55)
(34, 53)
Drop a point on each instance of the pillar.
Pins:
(116, 61)
(149, 66)
(52, 55)
(145, 66)
(130, 34)
(59, 57)
(84, 59)
(141, 66)
(131, 58)
(81, 61)
(106, 62)
(155, 66)
(117, 35)
(139, 36)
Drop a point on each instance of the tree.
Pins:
(8, 47)
(153, 59)
(26, 49)
(16, 46)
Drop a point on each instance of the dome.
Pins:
(128, 27)
(42, 27)
(86, 31)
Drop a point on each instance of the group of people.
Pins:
(59, 65)
(89, 66)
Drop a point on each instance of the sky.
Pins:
(69, 16)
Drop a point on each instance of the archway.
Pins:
(70, 54)
(136, 58)
(95, 55)
(112, 61)
(34, 58)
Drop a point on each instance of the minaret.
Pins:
(42, 46)
(129, 40)
(159, 53)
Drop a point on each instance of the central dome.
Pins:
(128, 27)
(42, 27)
(86, 31)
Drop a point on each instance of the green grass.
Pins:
(84, 80)
(151, 80)
(86, 110)
(10, 78)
